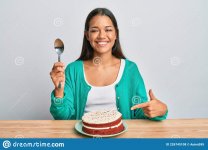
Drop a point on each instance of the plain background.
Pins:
(166, 38)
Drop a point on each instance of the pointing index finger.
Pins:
(140, 105)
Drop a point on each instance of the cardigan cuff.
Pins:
(57, 101)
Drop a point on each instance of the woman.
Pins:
(102, 78)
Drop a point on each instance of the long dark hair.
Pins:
(87, 50)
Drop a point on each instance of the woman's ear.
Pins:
(86, 34)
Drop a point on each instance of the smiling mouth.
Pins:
(102, 43)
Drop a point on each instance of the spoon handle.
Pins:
(59, 59)
(59, 85)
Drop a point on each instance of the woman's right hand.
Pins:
(58, 76)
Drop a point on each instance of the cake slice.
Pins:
(104, 122)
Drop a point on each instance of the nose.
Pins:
(102, 34)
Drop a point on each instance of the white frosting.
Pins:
(101, 128)
(100, 117)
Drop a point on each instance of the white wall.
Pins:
(166, 38)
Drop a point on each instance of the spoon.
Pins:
(59, 47)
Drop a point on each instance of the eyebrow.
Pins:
(97, 27)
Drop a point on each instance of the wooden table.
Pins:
(172, 128)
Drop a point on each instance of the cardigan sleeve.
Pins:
(63, 108)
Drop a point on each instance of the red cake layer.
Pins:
(104, 122)
(104, 131)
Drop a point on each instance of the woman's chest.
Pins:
(101, 77)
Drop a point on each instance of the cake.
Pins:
(106, 122)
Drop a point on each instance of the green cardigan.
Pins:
(129, 90)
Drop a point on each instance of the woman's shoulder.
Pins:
(130, 64)
(131, 69)
(76, 65)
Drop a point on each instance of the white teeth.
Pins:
(102, 43)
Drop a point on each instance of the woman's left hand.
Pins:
(152, 108)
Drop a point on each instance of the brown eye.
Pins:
(108, 30)
(93, 30)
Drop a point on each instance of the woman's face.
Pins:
(101, 34)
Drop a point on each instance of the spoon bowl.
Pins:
(59, 47)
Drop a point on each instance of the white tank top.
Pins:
(103, 97)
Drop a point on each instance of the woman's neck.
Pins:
(102, 60)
